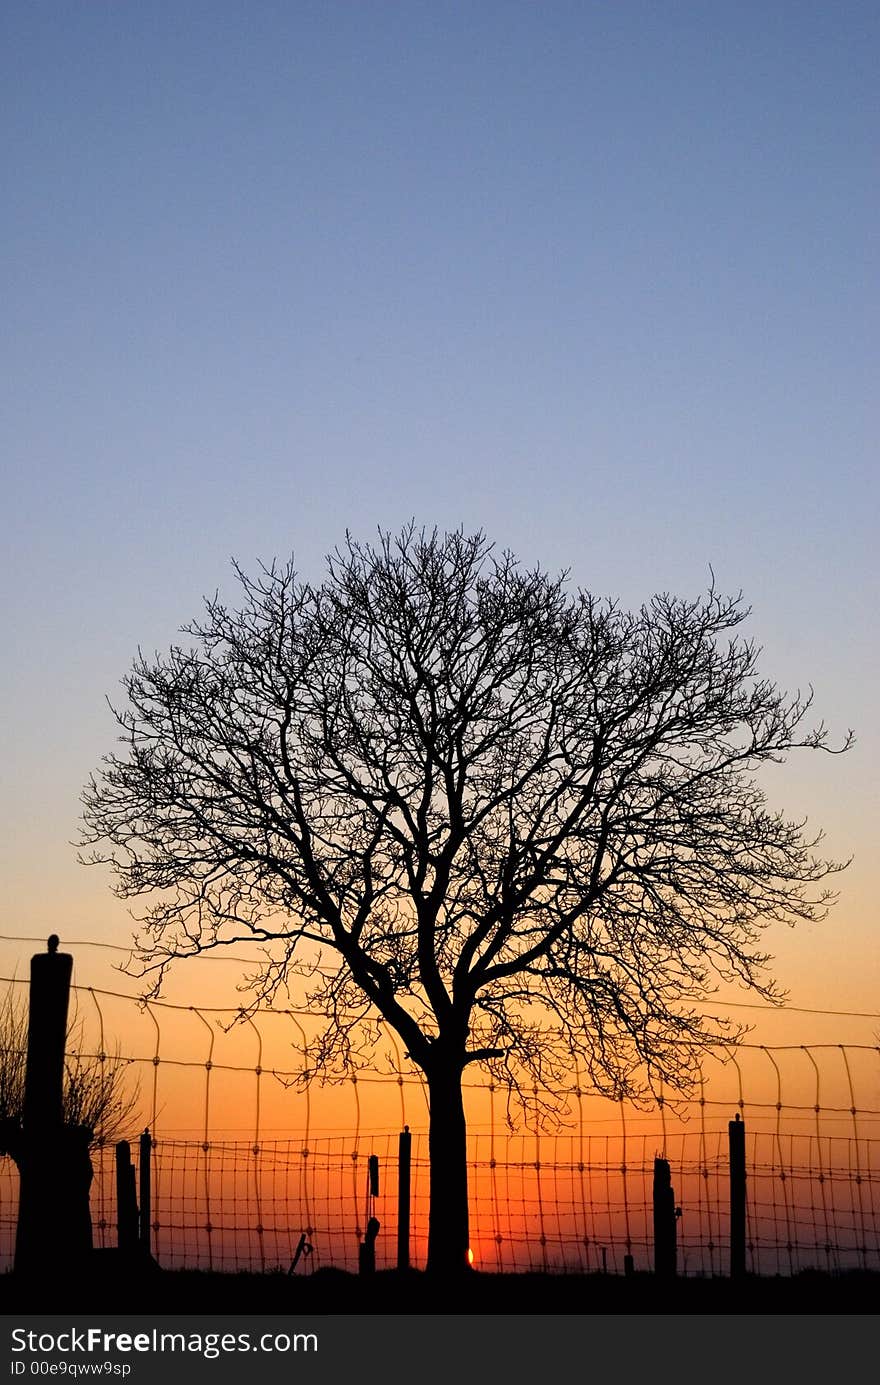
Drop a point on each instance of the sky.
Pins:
(597, 279)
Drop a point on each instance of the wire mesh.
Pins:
(246, 1159)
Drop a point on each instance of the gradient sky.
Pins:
(599, 279)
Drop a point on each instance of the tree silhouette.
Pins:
(519, 824)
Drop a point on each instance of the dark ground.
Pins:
(112, 1286)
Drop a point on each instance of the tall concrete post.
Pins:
(43, 1189)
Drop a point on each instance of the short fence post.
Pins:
(144, 1174)
(665, 1257)
(126, 1199)
(404, 1165)
(736, 1134)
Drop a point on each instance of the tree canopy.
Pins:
(520, 824)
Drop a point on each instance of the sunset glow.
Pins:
(595, 285)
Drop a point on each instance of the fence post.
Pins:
(47, 1033)
(736, 1134)
(404, 1164)
(43, 1184)
(665, 1250)
(144, 1174)
(126, 1199)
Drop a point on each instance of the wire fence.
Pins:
(245, 1161)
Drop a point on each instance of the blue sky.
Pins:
(599, 279)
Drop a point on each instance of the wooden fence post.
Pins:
(43, 1184)
(47, 1034)
(665, 1249)
(736, 1134)
(404, 1163)
(126, 1199)
(144, 1174)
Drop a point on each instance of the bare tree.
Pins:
(519, 824)
(97, 1098)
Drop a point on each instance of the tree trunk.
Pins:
(448, 1236)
